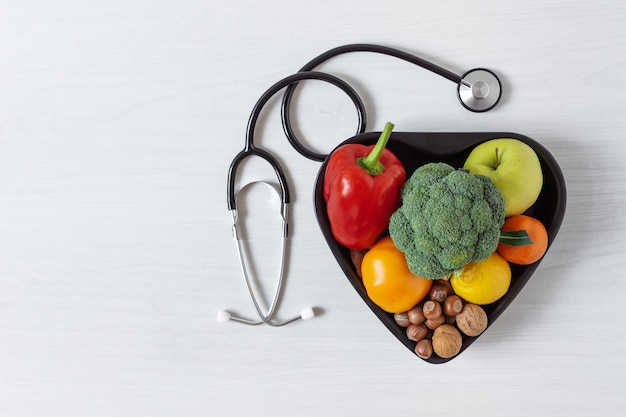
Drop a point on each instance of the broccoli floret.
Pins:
(447, 219)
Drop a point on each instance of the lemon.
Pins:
(483, 282)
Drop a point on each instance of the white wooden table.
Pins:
(118, 121)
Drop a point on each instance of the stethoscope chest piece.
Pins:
(479, 90)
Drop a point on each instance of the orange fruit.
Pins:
(483, 282)
(388, 281)
(526, 254)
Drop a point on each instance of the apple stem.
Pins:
(497, 159)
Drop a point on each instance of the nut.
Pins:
(402, 319)
(416, 315)
(416, 332)
(446, 341)
(472, 320)
(432, 324)
(424, 349)
(357, 259)
(431, 309)
(452, 305)
(440, 290)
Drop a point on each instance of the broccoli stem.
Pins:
(371, 163)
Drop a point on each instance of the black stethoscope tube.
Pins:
(251, 150)
(311, 65)
(385, 50)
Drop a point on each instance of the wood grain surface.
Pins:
(118, 122)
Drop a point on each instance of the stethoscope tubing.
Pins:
(251, 150)
(359, 47)
(271, 160)
(380, 49)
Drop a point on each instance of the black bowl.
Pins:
(415, 149)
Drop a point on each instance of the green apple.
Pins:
(514, 168)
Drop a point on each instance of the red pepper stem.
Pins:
(371, 163)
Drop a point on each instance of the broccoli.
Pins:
(448, 218)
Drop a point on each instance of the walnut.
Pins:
(446, 341)
(472, 320)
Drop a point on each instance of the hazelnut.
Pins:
(440, 290)
(424, 349)
(472, 320)
(432, 324)
(416, 315)
(446, 341)
(431, 309)
(452, 305)
(357, 259)
(416, 332)
(402, 319)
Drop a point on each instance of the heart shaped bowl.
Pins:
(415, 149)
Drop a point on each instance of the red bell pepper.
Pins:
(362, 190)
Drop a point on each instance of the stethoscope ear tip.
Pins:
(223, 316)
(307, 313)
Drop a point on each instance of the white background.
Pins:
(118, 121)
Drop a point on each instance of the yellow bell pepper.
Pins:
(388, 281)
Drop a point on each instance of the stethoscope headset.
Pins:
(478, 90)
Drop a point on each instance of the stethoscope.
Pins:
(478, 90)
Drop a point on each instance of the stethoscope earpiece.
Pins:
(479, 90)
